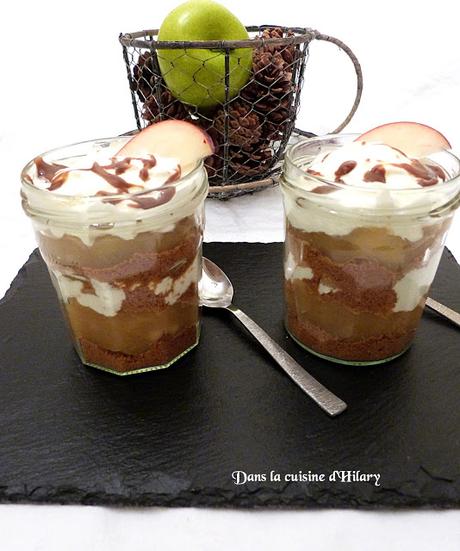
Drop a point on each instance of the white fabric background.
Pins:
(63, 80)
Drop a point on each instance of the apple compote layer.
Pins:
(358, 297)
(131, 304)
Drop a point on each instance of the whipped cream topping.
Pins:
(87, 191)
(105, 177)
(365, 164)
(366, 185)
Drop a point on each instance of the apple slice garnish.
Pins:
(412, 138)
(180, 140)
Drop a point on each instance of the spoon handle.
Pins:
(326, 400)
(448, 313)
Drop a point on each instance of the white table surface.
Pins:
(64, 81)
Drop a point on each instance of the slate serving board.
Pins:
(72, 434)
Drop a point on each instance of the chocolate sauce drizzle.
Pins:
(375, 174)
(162, 196)
(108, 194)
(427, 175)
(174, 176)
(323, 190)
(46, 170)
(343, 169)
(120, 167)
(53, 172)
(119, 183)
(57, 175)
(438, 171)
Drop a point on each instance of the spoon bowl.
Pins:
(215, 289)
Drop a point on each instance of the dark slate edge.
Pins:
(21, 276)
(219, 498)
(262, 497)
(450, 255)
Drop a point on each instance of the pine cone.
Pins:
(271, 71)
(289, 52)
(214, 164)
(251, 163)
(244, 128)
(258, 117)
(247, 153)
(169, 108)
(144, 77)
(270, 90)
(243, 161)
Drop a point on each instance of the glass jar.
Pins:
(359, 260)
(125, 267)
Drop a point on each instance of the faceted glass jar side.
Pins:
(128, 285)
(357, 269)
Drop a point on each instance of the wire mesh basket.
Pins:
(245, 94)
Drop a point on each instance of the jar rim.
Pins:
(293, 166)
(27, 183)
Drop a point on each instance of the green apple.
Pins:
(197, 76)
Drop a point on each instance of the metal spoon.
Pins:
(216, 291)
(443, 310)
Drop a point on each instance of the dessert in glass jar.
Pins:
(119, 223)
(366, 220)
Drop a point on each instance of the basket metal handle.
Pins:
(359, 76)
